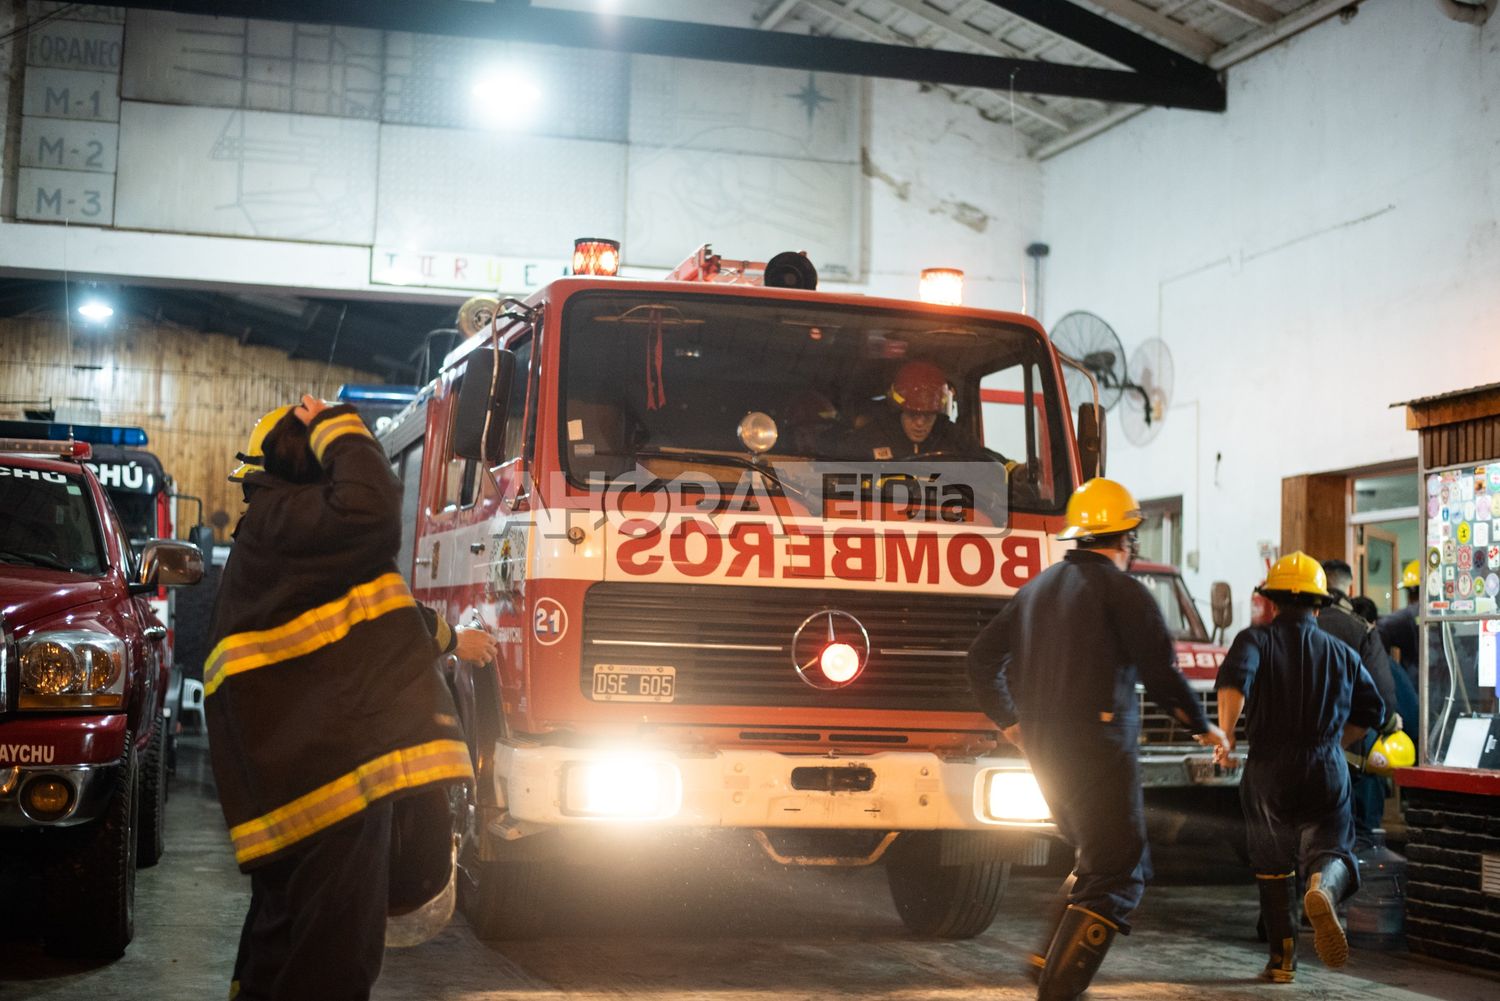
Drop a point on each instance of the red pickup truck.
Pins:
(84, 664)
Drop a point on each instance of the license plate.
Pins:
(634, 683)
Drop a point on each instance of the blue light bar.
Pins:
(387, 396)
(96, 434)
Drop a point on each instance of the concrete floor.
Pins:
(717, 920)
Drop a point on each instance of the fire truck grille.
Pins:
(1158, 728)
(731, 646)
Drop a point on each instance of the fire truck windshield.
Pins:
(664, 381)
(49, 521)
(1176, 605)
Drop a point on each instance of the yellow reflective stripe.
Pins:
(444, 634)
(406, 768)
(334, 428)
(312, 630)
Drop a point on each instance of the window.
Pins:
(1160, 531)
(664, 381)
(408, 469)
(48, 522)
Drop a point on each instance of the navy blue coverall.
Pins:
(1062, 659)
(1301, 687)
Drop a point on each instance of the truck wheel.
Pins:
(91, 880)
(153, 808)
(502, 900)
(944, 901)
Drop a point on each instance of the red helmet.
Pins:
(922, 387)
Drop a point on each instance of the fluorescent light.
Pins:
(505, 98)
(96, 310)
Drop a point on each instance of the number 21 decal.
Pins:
(549, 622)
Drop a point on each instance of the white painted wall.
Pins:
(946, 188)
(1329, 246)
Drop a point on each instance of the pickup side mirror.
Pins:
(487, 369)
(202, 536)
(165, 562)
(1090, 441)
(1221, 603)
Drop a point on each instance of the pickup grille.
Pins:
(731, 645)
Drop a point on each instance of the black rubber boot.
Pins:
(1037, 961)
(1276, 910)
(1325, 891)
(1077, 949)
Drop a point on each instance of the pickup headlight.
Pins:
(1013, 795)
(72, 669)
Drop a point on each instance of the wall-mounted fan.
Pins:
(1092, 343)
(1150, 384)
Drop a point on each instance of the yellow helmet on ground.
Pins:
(1297, 573)
(1412, 575)
(1100, 507)
(253, 458)
(1391, 752)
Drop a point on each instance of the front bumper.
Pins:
(91, 785)
(1166, 768)
(906, 790)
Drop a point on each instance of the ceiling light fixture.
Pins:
(505, 98)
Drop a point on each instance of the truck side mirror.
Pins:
(1221, 603)
(483, 396)
(1090, 441)
(202, 536)
(166, 562)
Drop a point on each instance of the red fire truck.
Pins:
(718, 607)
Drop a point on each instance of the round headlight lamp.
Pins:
(50, 668)
(104, 667)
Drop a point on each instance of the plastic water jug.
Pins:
(1376, 915)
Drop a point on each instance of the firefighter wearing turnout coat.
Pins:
(1304, 693)
(324, 704)
(1057, 671)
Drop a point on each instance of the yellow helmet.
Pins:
(253, 458)
(1100, 507)
(1391, 752)
(1297, 573)
(1412, 575)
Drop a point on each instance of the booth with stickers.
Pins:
(1452, 797)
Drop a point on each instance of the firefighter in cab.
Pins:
(1057, 671)
(914, 419)
(1303, 693)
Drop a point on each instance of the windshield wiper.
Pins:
(34, 560)
(725, 459)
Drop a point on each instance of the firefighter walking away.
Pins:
(1304, 693)
(1057, 670)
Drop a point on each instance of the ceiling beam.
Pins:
(1175, 34)
(777, 14)
(1099, 34)
(1254, 11)
(1179, 86)
(874, 30)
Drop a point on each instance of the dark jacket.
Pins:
(323, 696)
(1399, 629)
(1339, 619)
(883, 439)
(1070, 646)
(1301, 686)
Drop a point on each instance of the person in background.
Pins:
(323, 701)
(1304, 694)
(1056, 670)
(1337, 617)
(1398, 630)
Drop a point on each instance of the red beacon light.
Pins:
(942, 286)
(594, 256)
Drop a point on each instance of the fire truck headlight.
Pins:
(625, 788)
(840, 662)
(1014, 795)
